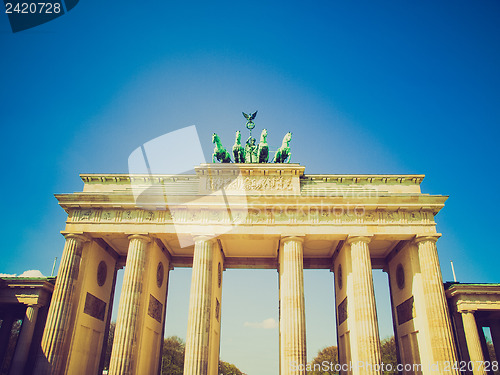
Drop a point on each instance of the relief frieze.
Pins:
(85, 215)
(149, 216)
(312, 215)
(108, 215)
(370, 217)
(129, 215)
(257, 183)
(391, 216)
(280, 216)
(326, 216)
(258, 217)
(415, 216)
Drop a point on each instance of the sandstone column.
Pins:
(495, 337)
(438, 320)
(365, 312)
(53, 351)
(484, 345)
(473, 342)
(8, 318)
(292, 307)
(124, 350)
(200, 301)
(24, 340)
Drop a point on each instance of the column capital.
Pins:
(299, 238)
(142, 237)
(467, 311)
(80, 237)
(365, 239)
(204, 238)
(34, 305)
(427, 237)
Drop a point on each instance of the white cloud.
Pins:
(265, 324)
(28, 273)
(32, 273)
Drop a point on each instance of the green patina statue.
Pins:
(220, 153)
(250, 124)
(284, 152)
(251, 153)
(263, 149)
(238, 150)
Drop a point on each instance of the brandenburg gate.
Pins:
(259, 216)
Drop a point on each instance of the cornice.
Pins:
(456, 290)
(127, 178)
(244, 169)
(392, 201)
(254, 170)
(367, 178)
(33, 283)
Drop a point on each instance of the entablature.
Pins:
(256, 179)
(474, 297)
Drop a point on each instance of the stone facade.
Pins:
(27, 300)
(245, 216)
(473, 307)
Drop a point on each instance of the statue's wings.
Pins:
(246, 116)
(252, 116)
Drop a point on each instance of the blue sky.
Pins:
(365, 87)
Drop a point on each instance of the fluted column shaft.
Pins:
(124, 352)
(473, 343)
(438, 320)
(54, 335)
(198, 332)
(292, 307)
(365, 312)
(24, 341)
(5, 331)
(495, 337)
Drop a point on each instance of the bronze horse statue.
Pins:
(263, 149)
(238, 150)
(283, 155)
(220, 153)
